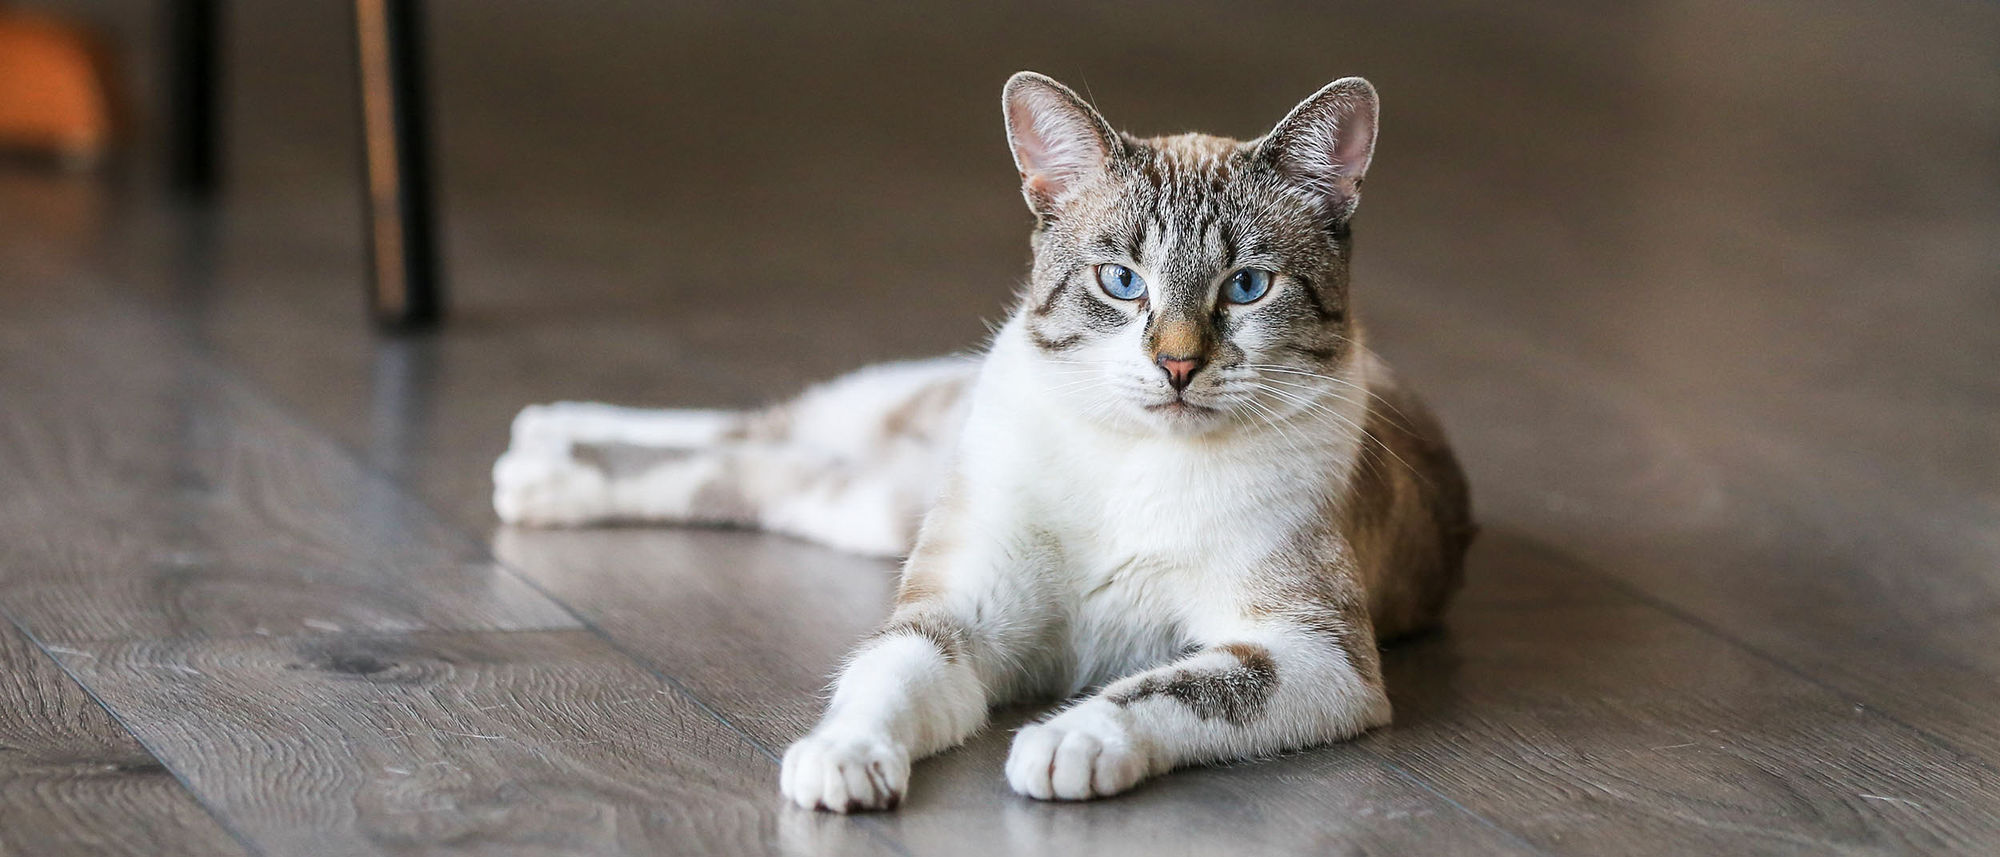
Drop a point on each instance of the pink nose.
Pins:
(1180, 370)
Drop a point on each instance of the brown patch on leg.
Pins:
(770, 425)
(946, 635)
(917, 586)
(922, 415)
(722, 500)
(1237, 695)
(921, 580)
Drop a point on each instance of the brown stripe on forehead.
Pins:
(1237, 695)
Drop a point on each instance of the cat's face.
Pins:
(1186, 284)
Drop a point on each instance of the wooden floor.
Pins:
(1705, 291)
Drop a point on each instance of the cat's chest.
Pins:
(1165, 496)
(1153, 554)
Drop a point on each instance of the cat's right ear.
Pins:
(1060, 143)
(1324, 146)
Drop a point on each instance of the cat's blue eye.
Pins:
(1246, 285)
(1119, 282)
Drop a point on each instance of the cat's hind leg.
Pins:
(870, 508)
(850, 463)
(561, 425)
(542, 480)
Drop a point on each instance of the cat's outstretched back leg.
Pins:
(851, 463)
(561, 425)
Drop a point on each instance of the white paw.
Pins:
(1082, 753)
(845, 773)
(548, 490)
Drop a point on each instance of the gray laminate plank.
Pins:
(465, 742)
(1841, 567)
(1620, 728)
(73, 781)
(151, 496)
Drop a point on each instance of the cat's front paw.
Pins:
(845, 773)
(1083, 753)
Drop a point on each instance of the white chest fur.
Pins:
(1148, 538)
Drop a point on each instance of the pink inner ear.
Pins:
(1353, 138)
(1324, 148)
(1055, 144)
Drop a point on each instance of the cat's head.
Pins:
(1190, 283)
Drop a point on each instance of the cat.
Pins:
(1177, 486)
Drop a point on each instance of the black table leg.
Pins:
(404, 285)
(193, 33)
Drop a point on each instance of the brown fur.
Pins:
(941, 631)
(1236, 695)
(1408, 515)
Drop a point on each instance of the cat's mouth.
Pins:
(1181, 406)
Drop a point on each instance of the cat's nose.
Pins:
(1180, 370)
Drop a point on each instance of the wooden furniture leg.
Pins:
(404, 286)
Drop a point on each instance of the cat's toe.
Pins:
(1081, 754)
(845, 774)
(547, 490)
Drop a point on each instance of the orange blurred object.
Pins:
(52, 94)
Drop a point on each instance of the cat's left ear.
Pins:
(1324, 146)
(1060, 142)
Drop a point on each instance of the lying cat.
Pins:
(1176, 480)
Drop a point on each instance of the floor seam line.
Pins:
(193, 793)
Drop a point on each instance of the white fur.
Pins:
(900, 701)
(1127, 542)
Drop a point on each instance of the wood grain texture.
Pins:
(529, 742)
(153, 497)
(713, 606)
(73, 781)
(1587, 727)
